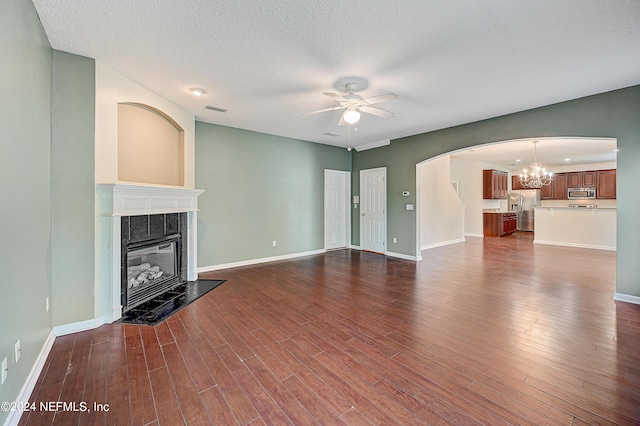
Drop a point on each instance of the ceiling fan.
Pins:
(354, 104)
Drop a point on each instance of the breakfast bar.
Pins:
(593, 227)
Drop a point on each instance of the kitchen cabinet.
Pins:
(547, 192)
(515, 183)
(606, 184)
(499, 224)
(495, 185)
(560, 186)
(557, 189)
(581, 179)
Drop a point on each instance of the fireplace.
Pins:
(139, 225)
(152, 256)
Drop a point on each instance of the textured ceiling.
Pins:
(269, 61)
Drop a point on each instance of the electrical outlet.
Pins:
(5, 370)
(274, 243)
(17, 350)
(46, 304)
(395, 240)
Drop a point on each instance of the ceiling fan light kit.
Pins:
(351, 116)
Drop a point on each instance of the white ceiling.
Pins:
(269, 61)
(557, 154)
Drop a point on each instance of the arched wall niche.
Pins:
(150, 146)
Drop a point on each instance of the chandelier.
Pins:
(537, 175)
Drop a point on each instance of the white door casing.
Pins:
(373, 205)
(337, 212)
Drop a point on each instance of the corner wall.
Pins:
(259, 188)
(25, 246)
(441, 211)
(72, 188)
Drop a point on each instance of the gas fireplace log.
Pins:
(139, 276)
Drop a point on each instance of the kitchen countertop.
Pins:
(577, 208)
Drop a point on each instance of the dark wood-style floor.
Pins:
(493, 331)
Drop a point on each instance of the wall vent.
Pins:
(212, 108)
(333, 135)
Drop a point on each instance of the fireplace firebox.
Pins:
(153, 256)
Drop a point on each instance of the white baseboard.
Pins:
(63, 330)
(402, 256)
(577, 245)
(36, 370)
(27, 388)
(470, 234)
(355, 247)
(444, 243)
(257, 261)
(626, 298)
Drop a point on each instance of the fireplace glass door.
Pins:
(151, 269)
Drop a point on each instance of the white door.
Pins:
(373, 219)
(336, 209)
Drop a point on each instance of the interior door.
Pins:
(336, 209)
(373, 219)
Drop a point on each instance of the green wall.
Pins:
(259, 188)
(612, 114)
(25, 246)
(73, 188)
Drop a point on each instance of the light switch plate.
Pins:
(17, 350)
(5, 370)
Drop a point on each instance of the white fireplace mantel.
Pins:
(120, 199)
(133, 200)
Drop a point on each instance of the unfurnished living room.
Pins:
(281, 212)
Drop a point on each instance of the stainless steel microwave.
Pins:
(581, 193)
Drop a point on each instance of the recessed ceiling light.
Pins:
(567, 159)
(197, 91)
(616, 150)
(518, 160)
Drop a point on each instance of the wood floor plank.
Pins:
(167, 406)
(217, 408)
(143, 410)
(253, 389)
(192, 360)
(74, 381)
(235, 397)
(118, 397)
(152, 353)
(185, 389)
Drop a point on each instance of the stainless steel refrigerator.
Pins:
(523, 201)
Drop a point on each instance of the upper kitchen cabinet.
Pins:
(560, 186)
(495, 185)
(515, 183)
(581, 179)
(606, 184)
(557, 189)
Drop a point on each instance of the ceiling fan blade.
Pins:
(382, 98)
(376, 111)
(325, 110)
(341, 122)
(334, 96)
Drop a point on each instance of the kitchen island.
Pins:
(576, 227)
